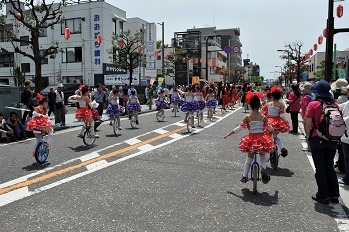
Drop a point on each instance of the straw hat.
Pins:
(60, 85)
(338, 84)
(305, 88)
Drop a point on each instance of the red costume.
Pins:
(39, 122)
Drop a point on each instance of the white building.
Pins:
(342, 63)
(83, 60)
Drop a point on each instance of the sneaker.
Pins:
(110, 123)
(244, 179)
(80, 136)
(341, 181)
(137, 122)
(172, 110)
(284, 152)
(33, 153)
(265, 176)
(120, 128)
(334, 200)
(95, 136)
(193, 126)
(323, 201)
(129, 117)
(185, 120)
(47, 145)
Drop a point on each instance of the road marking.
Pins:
(6, 193)
(175, 136)
(89, 156)
(133, 141)
(160, 131)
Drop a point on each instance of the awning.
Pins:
(120, 18)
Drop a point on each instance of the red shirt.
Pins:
(296, 106)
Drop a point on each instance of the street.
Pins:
(159, 177)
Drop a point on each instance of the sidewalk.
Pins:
(71, 121)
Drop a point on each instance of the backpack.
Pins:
(331, 123)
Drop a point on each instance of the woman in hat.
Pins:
(344, 108)
(322, 151)
(84, 113)
(306, 99)
(294, 101)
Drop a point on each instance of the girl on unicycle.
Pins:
(161, 102)
(114, 109)
(133, 105)
(40, 122)
(84, 113)
(256, 141)
(189, 105)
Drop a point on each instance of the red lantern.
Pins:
(121, 42)
(99, 38)
(191, 61)
(340, 11)
(200, 60)
(18, 16)
(167, 56)
(324, 33)
(320, 39)
(140, 48)
(315, 47)
(311, 52)
(156, 53)
(307, 56)
(67, 33)
(196, 61)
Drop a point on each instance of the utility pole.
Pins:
(331, 31)
(163, 52)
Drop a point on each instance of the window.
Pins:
(43, 31)
(24, 38)
(72, 55)
(114, 27)
(73, 24)
(45, 60)
(25, 67)
(121, 27)
(3, 36)
(6, 60)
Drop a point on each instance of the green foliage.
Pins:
(18, 76)
(175, 62)
(237, 74)
(124, 51)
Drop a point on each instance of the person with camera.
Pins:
(59, 105)
(98, 97)
(26, 99)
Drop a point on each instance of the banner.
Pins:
(152, 80)
(121, 79)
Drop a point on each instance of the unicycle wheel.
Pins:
(41, 153)
(254, 178)
(88, 138)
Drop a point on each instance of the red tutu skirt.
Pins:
(83, 113)
(38, 123)
(278, 124)
(258, 142)
(225, 100)
(234, 98)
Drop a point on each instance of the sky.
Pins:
(265, 25)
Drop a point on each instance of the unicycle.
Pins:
(274, 156)
(133, 120)
(210, 113)
(88, 138)
(116, 125)
(254, 173)
(159, 115)
(41, 151)
(175, 107)
(189, 125)
(199, 116)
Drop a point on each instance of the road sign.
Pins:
(236, 49)
(227, 49)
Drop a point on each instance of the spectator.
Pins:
(131, 89)
(306, 99)
(146, 93)
(150, 93)
(6, 131)
(295, 99)
(78, 93)
(322, 151)
(51, 101)
(16, 125)
(98, 97)
(59, 106)
(95, 115)
(125, 92)
(27, 100)
(106, 95)
(344, 107)
(170, 92)
(121, 97)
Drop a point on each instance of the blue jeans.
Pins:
(345, 147)
(19, 128)
(323, 153)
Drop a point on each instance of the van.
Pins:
(68, 90)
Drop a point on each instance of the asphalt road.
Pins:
(158, 178)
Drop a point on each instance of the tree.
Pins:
(159, 44)
(321, 73)
(35, 18)
(237, 74)
(18, 76)
(294, 57)
(126, 50)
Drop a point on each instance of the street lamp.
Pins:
(281, 72)
(207, 38)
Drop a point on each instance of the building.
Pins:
(342, 64)
(251, 69)
(83, 60)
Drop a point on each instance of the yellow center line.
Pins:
(83, 164)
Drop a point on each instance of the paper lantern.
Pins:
(139, 48)
(320, 39)
(156, 53)
(324, 33)
(340, 11)
(99, 38)
(121, 42)
(167, 56)
(196, 61)
(191, 61)
(200, 60)
(18, 16)
(315, 47)
(67, 33)
(311, 52)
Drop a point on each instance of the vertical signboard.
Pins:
(96, 27)
(150, 46)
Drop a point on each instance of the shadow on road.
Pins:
(36, 166)
(280, 172)
(264, 198)
(113, 135)
(82, 148)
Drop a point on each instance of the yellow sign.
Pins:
(160, 79)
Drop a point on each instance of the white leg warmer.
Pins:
(247, 166)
